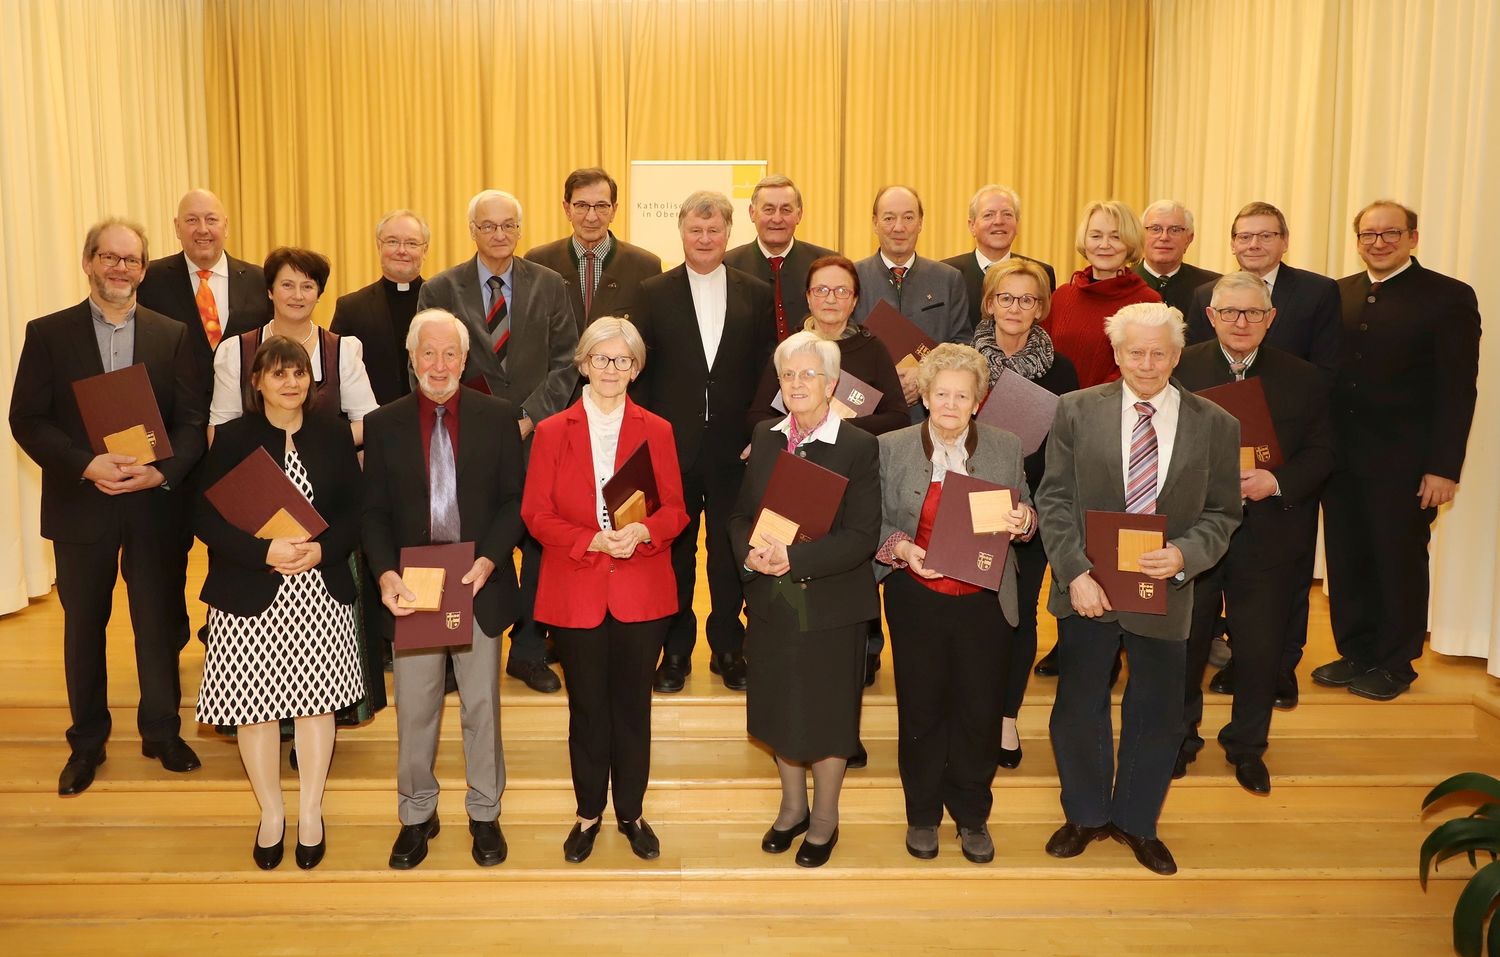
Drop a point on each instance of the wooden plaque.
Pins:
(989, 511)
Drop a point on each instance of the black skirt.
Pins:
(804, 688)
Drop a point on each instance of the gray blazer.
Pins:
(540, 374)
(906, 473)
(932, 296)
(1200, 497)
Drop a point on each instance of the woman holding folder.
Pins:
(281, 618)
(808, 600)
(606, 584)
(1015, 298)
(950, 639)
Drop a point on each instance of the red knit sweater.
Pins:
(1076, 322)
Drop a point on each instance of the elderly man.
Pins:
(105, 511)
(709, 334)
(1402, 408)
(379, 314)
(1140, 444)
(444, 465)
(1168, 227)
(603, 273)
(524, 335)
(775, 256)
(1264, 572)
(995, 223)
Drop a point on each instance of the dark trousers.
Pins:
(143, 549)
(609, 670)
(709, 493)
(528, 637)
(1150, 724)
(1031, 568)
(1295, 638)
(1377, 535)
(175, 558)
(950, 653)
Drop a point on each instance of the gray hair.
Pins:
(610, 327)
(704, 203)
(1148, 315)
(91, 238)
(406, 214)
(1247, 281)
(1169, 206)
(952, 357)
(427, 316)
(804, 341)
(485, 194)
(1006, 191)
(776, 181)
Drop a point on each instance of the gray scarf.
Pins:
(1032, 362)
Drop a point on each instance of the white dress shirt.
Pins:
(1270, 278)
(355, 395)
(828, 431)
(604, 442)
(1167, 403)
(218, 284)
(985, 264)
(890, 264)
(710, 300)
(1394, 272)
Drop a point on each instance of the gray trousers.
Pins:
(419, 715)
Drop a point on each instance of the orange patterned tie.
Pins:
(208, 310)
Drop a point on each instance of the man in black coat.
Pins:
(709, 331)
(1402, 408)
(775, 257)
(379, 314)
(104, 511)
(1265, 570)
(1168, 227)
(994, 222)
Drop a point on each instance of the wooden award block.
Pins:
(134, 441)
(281, 525)
(772, 526)
(633, 509)
(1134, 543)
(841, 410)
(427, 585)
(1247, 458)
(989, 511)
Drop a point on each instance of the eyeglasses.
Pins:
(110, 261)
(601, 361)
(410, 245)
(805, 375)
(1249, 315)
(1245, 239)
(839, 292)
(1387, 236)
(488, 228)
(1005, 300)
(1157, 229)
(583, 209)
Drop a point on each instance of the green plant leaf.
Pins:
(1472, 908)
(1455, 837)
(1465, 781)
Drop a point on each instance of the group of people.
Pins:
(491, 403)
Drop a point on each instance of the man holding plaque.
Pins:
(105, 510)
(1139, 452)
(443, 465)
(1265, 571)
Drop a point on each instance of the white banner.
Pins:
(658, 187)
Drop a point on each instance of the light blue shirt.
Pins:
(505, 284)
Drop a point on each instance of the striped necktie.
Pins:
(1140, 482)
(498, 319)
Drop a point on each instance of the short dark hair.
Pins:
(310, 264)
(839, 260)
(1259, 208)
(277, 352)
(91, 239)
(588, 176)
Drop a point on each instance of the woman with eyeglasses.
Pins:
(1015, 298)
(606, 592)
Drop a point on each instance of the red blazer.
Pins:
(558, 506)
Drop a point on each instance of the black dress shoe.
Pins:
(1252, 774)
(536, 674)
(580, 842)
(1337, 674)
(872, 665)
(643, 841)
(267, 858)
(311, 855)
(1286, 691)
(1047, 667)
(779, 842)
(816, 855)
(730, 666)
(1071, 839)
(671, 674)
(410, 848)
(489, 843)
(1180, 766)
(858, 760)
(1010, 757)
(1150, 852)
(174, 754)
(1223, 682)
(1378, 685)
(78, 773)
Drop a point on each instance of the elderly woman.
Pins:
(281, 618)
(1109, 238)
(806, 668)
(607, 592)
(1017, 296)
(950, 640)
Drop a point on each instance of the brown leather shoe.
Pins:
(1152, 853)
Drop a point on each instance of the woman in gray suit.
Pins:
(950, 640)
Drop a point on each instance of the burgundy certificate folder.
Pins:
(1127, 589)
(257, 497)
(800, 493)
(1246, 401)
(634, 475)
(453, 623)
(116, 402)
(1018, 405)
(852, 397)
(955, 549)
(905, 341)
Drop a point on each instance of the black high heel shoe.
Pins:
(310, 855)
(267, 858)
(1010, 758)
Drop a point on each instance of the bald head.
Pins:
(202, 225)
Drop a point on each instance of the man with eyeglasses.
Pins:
(602, 272)
(106, 511)
(1168, 226)
(1402, 408)
(522, 337)
(1267, 568)
(379, 314)
(995, 223)
(775, 256)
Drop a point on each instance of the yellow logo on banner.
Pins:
(745, 178)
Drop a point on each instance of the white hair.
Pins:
(805, 341)
(1148, 315)
(1169, 206)
(426, 316)
(1247, 281)
(1006, 191)
(485, 194)
(404, 214)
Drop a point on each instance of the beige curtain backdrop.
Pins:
(100, 107)
(1336, 103)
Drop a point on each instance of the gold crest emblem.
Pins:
(1145, 589)
(151, 437)
(922, 351)
(856, 397)
(453, 619)
(1262, 453)
(984, 561)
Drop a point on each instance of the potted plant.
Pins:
(1471, 834)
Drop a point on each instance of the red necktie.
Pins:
(781, 329)
(588, 282)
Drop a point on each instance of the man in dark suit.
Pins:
(602, 273)
(775, 257)
(930, 294)
(379, 314)
(444, 465)
(994, 222)
(1402, 408)
(1168, 227)
(1265, 570)
(1183, 455)
(523, 336)
(104, 511)
(709, 332)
